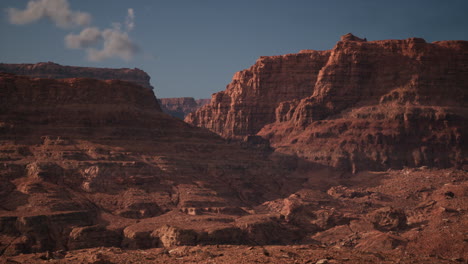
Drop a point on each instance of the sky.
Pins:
(192, 48)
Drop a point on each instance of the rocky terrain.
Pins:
(56, 71)
(96, 163)
(93, 171)
(180, 107)
(226, 254)
(362, 105)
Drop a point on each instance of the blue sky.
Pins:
(193, 48)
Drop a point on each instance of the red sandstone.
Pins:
(363, 105)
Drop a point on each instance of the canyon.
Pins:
(352, 155)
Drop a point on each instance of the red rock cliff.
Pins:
(57, 71)
(250, 100)
(370, 105)
(82, 160)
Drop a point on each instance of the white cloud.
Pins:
(116, 44)
(57, 11)
(130, 19)
(87, 38)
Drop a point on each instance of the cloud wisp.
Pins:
(114, 42)
(130, 19)
(58, 11)
(88, 37)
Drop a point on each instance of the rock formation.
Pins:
(250, 100)
(180, 107)
(57, 71)
(92, 170)
(362, 105)
(83, 160)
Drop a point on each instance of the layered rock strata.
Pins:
(250, 100)
(362, 105)
(82, 159)
(88, 163)
(56, 71)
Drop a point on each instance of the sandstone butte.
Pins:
(180, 107)
(362, 105)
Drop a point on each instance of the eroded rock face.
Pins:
(56, 71)
(250, 100)
(82, 159)
(381, 104)
(362, 105)
(180, 107)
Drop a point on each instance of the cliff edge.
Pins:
(362, 105)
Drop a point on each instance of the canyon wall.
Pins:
(57, 71)
(362, 105)
(84, 161)
(250, 100)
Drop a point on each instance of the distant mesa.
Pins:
(56, 71)
(177, 107)
(180, 107)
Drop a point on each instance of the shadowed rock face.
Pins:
(83, 159)
(180, 107)
(362, 105)
(57, 71)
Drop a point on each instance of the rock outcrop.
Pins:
(56, 71)
(180, 107)
(363, 105)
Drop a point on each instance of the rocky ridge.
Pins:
(362, 105)
(56, 71)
